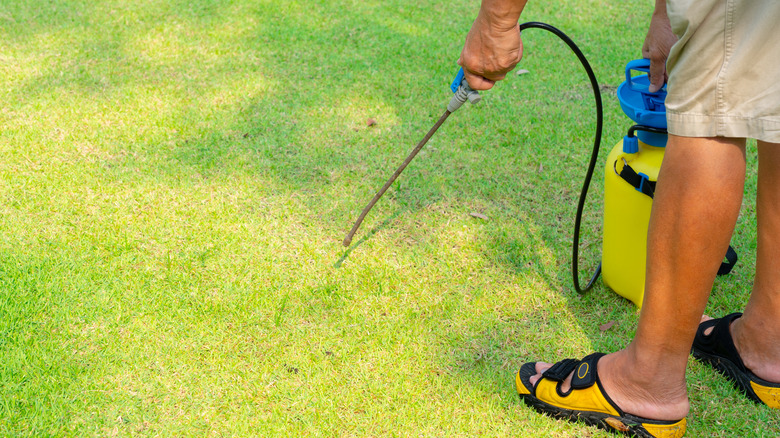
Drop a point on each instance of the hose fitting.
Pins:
(464, 93)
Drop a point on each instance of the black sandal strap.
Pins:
(719, 341)
(585, 374)
(560, 370)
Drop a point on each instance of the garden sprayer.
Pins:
(630, 175)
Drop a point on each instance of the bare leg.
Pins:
(697, 202)
(757, 334)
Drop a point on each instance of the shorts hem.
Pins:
(703, 125)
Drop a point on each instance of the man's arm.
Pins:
(493, 46)
(658, 42)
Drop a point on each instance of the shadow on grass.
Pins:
(366, 235)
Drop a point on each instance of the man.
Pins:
(723, 86)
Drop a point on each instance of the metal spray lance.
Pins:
(463, 92)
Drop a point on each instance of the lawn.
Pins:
(176, 178)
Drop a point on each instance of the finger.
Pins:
(478, 82)
(657, 75)
(646, 49)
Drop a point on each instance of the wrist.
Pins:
(500, 15)
(660, 9)
(501, 21)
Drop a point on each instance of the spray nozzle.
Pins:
(463, 92)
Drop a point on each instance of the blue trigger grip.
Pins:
(458, 79)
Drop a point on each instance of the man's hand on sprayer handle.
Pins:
(493, 46)
(658, 42)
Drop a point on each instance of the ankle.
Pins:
(644, 389)
(652, 362)
(758, 344)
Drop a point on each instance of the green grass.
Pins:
(176, 179)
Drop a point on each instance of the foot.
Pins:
(644, 391)
(758, 347)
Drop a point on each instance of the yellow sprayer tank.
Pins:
(630, 175)
(626, 216)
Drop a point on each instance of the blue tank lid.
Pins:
(642, 106)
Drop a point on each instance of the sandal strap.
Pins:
(560, 370)
(585, 374)
(719, 340)
(584, 371)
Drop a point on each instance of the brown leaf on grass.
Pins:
(478, 215)
(371, 122)
(617, 424)
(607, 326)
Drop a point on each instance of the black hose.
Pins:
(632, 130)
(593, 157)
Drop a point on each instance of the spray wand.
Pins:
(463, 93)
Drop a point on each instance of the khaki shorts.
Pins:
(724, 72)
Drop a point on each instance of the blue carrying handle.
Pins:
(641, 65)
(652, 101)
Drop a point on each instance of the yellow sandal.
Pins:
(586, 400)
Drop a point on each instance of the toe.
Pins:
(705, 318)
(541, 367)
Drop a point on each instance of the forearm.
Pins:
(503, 14)
(660, 8)
(493, 45)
